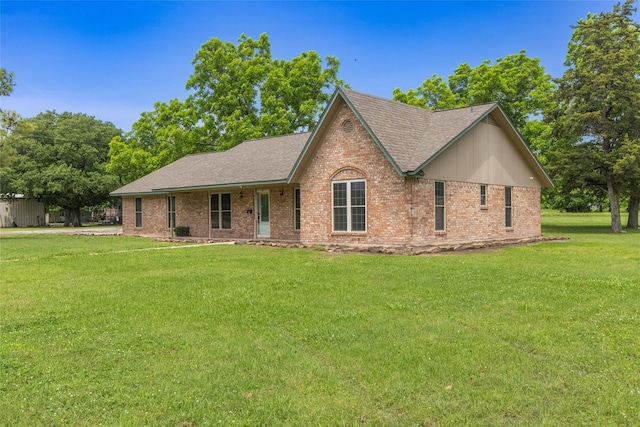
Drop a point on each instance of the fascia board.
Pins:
(314, 132)
(372, 134)
(213, 187)
(526, 147)
(453, 141)
(139, 193)
(461, 134)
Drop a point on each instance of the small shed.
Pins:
(18, 211)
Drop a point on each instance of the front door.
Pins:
(264, 228)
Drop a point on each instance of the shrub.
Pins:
(181, 231)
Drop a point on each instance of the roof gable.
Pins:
(410, 137)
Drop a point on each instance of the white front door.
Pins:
(264, 228)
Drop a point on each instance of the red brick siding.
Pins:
(401, 210)
(154, 216)
(193, 210)
(466, 220)
(241, 221)
(282, 214)
(352, 155)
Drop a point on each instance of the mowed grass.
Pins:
(104, 330)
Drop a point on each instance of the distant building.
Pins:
(18, 211)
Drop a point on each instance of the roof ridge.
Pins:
(381, 98)
(246, 140)
(466, 106)
(262, 138)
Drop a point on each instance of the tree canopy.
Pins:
(8, 118)
(6, 82)
(238, 92)
(596, 107)
(517, 81)
(60, 159)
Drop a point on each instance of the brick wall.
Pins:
(401, 210)
(466, 220)
(353, 155)
(154, 216)
(282, 214)
(193, 210)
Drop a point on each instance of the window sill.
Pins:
(509, 229)
(348, 233)
(440, 233)
(484, 208)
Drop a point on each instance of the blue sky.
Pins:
(114, 59)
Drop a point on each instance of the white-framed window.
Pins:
(171, 212)
(439, 204)
(138, 209)
(483, 194)
(296, 209)
(508, 208)
(349, 205)
(221, 211)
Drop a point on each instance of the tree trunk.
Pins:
(75, 217)
(67, 217)
(614, 202)
(632, 222)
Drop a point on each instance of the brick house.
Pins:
(372, 171)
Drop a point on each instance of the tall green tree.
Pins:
(597, 103)
(60, 160)
(626, 169)
(517, 81)
(238, 92)
(6, 82)
(8, 120)
(169, 132)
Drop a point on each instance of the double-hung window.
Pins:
(508, 213)
(221, 211)
(138, 203)
(171, 211)
(439, 201)
(349, 205)
(296, 209)
(483, 195)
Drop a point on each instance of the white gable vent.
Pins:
(347, 126)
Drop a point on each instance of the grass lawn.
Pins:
(106, 330)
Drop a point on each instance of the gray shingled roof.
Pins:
(409, 136)
(260, 161)
(412, 135)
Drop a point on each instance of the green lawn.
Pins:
(105, 330)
